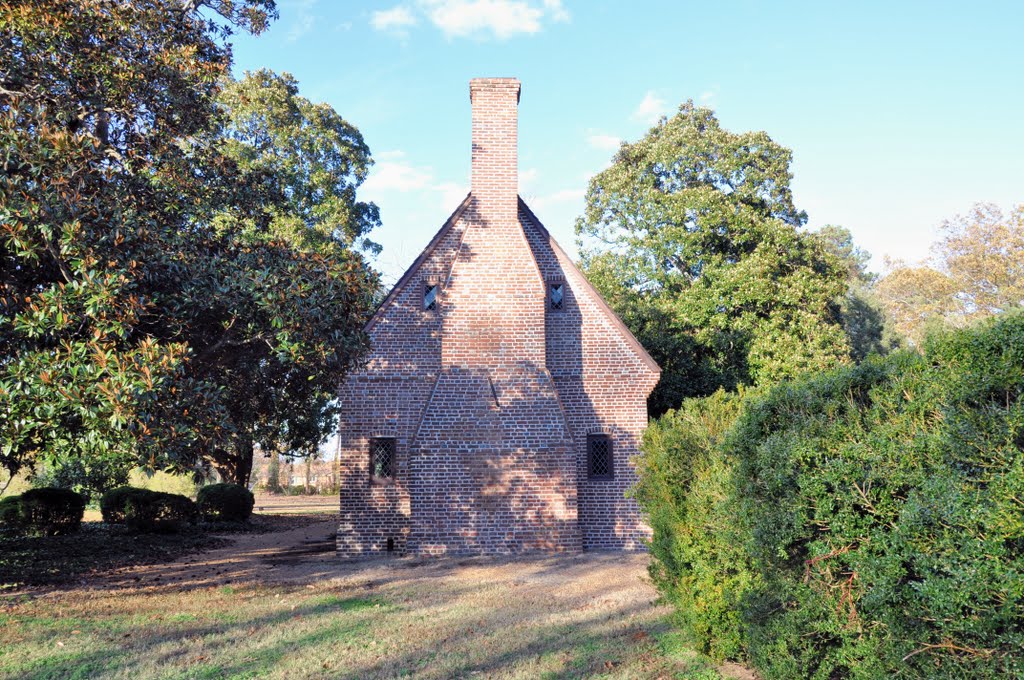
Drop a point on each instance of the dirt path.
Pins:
(304, 553)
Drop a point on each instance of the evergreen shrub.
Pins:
(865, 522)
(148, 511)
(225, 502)
(46, 511)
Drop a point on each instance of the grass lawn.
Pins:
(267, 607)
(300, 631)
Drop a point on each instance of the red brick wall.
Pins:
(603, 384)
(491, 396)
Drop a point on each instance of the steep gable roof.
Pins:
(414, 268)
(566, 262)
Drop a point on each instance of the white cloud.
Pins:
(707, 98)
(451, 194)
(465, 18)
(396, 20)
(555, 9)
(478, 19)
(650, 109)
(303, 25)
(562, 196)
(304, 21)
(527, 178)
(393, 174)
(604, 142)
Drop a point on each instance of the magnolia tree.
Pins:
(179, 277)
(693, 238)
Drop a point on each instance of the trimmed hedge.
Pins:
(47, 511)
(862, 523)
(148, 511)
(225, 502)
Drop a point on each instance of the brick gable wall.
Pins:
(491, 396)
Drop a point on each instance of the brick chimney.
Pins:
(495, 171)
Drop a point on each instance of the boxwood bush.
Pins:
(47, 512)
(225, 502)
(863, 523)
(148, 511)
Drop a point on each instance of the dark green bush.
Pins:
(46, 511)
(225, 502)
(148, 511)
(863, 523)
(89, 477)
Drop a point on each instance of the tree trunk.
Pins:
(243, 455)
(274, 473)
(309, 464)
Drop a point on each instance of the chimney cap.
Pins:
(494, 84)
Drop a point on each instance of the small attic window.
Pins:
(556, 296)
(430, 297)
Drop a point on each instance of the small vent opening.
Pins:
(391, 545)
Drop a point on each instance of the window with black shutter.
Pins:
(382, 460)
(600, 463)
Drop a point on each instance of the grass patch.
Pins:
(572, 617)
(438, 629)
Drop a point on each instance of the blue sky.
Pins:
(899, 114)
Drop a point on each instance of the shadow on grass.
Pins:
(142, 648)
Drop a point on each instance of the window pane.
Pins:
(430, 297)
(556, 295)
(599, 456)
(382, 458)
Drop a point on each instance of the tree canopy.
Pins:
(976, 271)
(869, 329)
(693, 237)
(172, 272)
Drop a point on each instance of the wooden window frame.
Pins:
(591, 438)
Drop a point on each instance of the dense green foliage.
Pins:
(225, 502)
(179, 276)
(146, 510)
(869, 329)
(865, 522)
(91, 477)
(692, 237)
(685, 487)
(42, 512)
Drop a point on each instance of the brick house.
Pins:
(503, 400)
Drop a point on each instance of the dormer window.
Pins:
(556, 296)
(430, 297)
